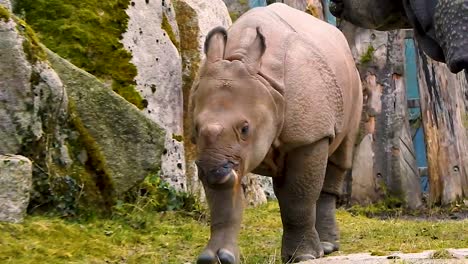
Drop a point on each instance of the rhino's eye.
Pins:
(245, 130)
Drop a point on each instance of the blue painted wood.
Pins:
(412, 92)
(257, 3)
(330, 18)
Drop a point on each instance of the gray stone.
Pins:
(16, 97)
(15, 186)
(236, 8)
(253, 192)
(153, 40)
(6, 3)
(124, 145)
(195, 19)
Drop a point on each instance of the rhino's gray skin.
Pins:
(440, 26)
(278, 95)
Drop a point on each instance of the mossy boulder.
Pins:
(88, 33)
(195, 19)
(124, 145)
(152, 38)
(88, 145)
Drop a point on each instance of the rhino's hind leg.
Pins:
(326, 225)
(297, 192)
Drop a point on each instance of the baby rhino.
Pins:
(278, 95)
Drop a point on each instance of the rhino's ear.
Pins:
(256, 50)
(215, 44)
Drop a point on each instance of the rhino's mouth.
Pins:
(229, 180)
(222, 176)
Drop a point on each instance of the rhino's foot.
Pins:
(299, 248)
(301, 258)
(326, 222)
(329, 247)
(223, 256)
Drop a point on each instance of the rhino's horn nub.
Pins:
(215, 43)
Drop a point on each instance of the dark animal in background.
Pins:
(440, 26)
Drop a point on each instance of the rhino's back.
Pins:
(280, 24)
(321, 44)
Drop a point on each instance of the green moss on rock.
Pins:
(31, 45)
(168, 28)
(122, 145)
(189, 50)
(368, 55)
(178, 138)
(87, 33)
(4, 14)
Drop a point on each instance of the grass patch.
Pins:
(87, 33)
(178, 237)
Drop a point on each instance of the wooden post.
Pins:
(384, 161)
(444, 109)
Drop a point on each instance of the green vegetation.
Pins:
(368, 55)
(141, 235)
(31, 46)
(4, 14)
(441, 254)
(234, 15)
(168, 28)
(87, 32)
(465, 120)
(178, 138)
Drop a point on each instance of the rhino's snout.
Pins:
(458, 63)
(222, 175)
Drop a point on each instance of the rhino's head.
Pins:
(236, 112)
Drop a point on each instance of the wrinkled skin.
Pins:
(440, 26)
(281, 98)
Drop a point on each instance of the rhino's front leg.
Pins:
(226, 207)
(297, 192)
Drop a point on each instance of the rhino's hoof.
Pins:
(207, 257)
(303, 257)
(226, 257)
(328, 247)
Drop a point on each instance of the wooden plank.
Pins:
(444, 105)
(385, 126)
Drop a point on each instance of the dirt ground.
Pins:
(425, 257)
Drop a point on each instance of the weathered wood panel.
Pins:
(386, 139)
(444, 107)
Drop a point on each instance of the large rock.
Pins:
(122, 143)
(88, 144)
(195, 19)
(15, 185)
(253, 191)
(153, 40)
